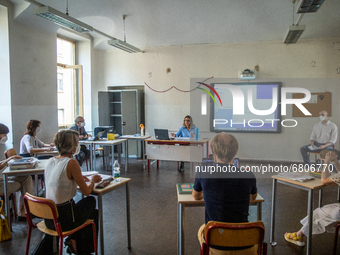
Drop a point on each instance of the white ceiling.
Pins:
(152, 23)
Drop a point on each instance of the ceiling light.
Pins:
(307, 6)
(62, 19)
(294, 33)
(123, 46)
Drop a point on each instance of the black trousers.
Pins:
(83, 210)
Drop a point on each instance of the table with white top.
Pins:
(104, 142)
(309, 186)
(99, 193)
(39, 169)
(137, 138)
(178, 149)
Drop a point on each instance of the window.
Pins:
(69, 84)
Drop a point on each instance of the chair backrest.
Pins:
(234, 234)
(41, 207)
(10, 153)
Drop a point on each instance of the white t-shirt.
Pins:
(28, 142)
(59, 187)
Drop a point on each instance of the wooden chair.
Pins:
(336, 237)
(322, 155)
(10, 153)
(47, 209)
(234, 235)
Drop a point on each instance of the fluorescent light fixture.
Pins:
(307, 6)
(123, 46)
(62, 19)
(247, 74)
(294, 33)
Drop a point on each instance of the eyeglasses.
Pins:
(187, 120)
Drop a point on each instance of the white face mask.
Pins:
(77, 150)
(82, 124)
(322, 118)
(3, 140)
(38, 130)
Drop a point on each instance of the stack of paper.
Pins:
(297, 176)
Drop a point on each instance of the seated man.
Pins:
(226, 194)
(324, 136)
(79, 126)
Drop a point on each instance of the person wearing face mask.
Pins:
(62, 176)
(323, 137)
(15, 183)
(186, 130)
(79, 126)
(30, 144)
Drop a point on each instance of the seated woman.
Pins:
(62, 176)
(15, 183)
(187, 130)
(326, 217)
(30, 144)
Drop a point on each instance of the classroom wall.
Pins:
(277, 62)
(33, 80)
(5, 102)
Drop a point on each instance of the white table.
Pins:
(176, 150)
(309, 186)
(186, 200)
(39, 169)
(137, 138)
(99, 193)
(104, 142)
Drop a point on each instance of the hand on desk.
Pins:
(173, 134)
(96, 178)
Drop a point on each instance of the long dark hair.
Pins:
(31, 127)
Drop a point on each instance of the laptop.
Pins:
(97, 137)
(162, 134)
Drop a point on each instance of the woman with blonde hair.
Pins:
(62, 176)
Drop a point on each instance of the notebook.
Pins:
(185, 188)
(162, 134)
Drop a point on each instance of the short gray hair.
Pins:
(78, 119)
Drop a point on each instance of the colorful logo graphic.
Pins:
(208, 92)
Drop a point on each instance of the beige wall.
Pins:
(290, 64)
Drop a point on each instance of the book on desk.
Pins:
(185, 188)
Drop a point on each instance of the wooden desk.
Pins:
(186, 200)
(99, 193)
(105, 142)
(309, 186)
(39, 169)
(176, 150)
(137, 138)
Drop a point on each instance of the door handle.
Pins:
(124, 123)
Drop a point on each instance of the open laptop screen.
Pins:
(162, 134)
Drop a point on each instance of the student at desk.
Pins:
(326, 217)
(30, 144)
(226, 194)
(15, 183)
(63, 175)
(187, 130)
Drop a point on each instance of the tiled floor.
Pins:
(154, 215)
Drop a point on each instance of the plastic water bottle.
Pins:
(116, 171)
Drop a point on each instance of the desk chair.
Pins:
(234, 235)
(336, 237)
(47, 209)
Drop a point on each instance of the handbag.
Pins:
(5, 234)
